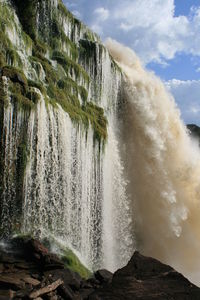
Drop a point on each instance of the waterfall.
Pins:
(12, 137)
(118, 237)
(57, 180)
(163, 166)
(73, 185)
(140, 189)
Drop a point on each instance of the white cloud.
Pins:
(143, 13)
(187, 95)
(97, 28)
(161, 34)
(77, 14)
(102, 14)
(150, 28)
(70, 5)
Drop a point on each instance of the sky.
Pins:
(165, 34)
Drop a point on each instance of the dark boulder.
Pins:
(146, 278)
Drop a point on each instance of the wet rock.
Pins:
(24, 276)
(93, 281)
(104, 276)
(69, 278)
(46, 289)
(86, 292)
(7, 294)
(146, 278)
(10, 282)
(65, 292)
(34, 251)
(1, 268)
(31, 281)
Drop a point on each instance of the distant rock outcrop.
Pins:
(194, 130)
(29, 271)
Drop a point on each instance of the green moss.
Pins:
(63, 60)
(13, 58)
(70, 259)
(27, 40)
(37, 85)
(65, 12)
(98, 120)
(76, 25)
(115, 66)
(39, 48)
(33, 96)
(86, 113)
(5, 43)
(70, 86)
(59, 87)
(3, 95)
(89, 35)
(87, 50)
(51, 75)
(15, 75)
(59, 38)
(2, 60)
(56, 43)
(83, 93)
(20, 88)
(72, 262)
(7, 16)
(69, 66)
(22, 101)
(8, 23)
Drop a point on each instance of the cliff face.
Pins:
(60, 165)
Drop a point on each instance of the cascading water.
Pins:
(163, 166)
(73, 187)
(11, 148)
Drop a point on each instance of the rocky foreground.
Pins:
(31, 272)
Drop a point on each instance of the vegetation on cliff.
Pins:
(46, 58)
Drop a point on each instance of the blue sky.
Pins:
(165, 34)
